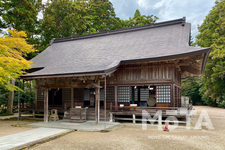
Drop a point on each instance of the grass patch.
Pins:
(104, 131)
(7, 114)
(21, 119)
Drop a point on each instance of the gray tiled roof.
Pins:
(102, 53)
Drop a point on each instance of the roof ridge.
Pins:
(181, 21)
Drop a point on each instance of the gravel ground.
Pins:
(6, 127)
(128, 137)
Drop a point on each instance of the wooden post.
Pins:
(139, 96)
(33, 113)
(20, 113)
(134, 118)
(36, 97)
(46, 105)
(97, 103)
(105, 103)
(174, 100)
(111, 117)
(116, 96)
(132, 91)
(72, 97)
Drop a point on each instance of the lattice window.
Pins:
(102, 95)
(66, 94)
(163, 94)
(144, 94)
(176, 96)
(124, 94)
(78, 94)
(86, 94)
(136, 94)
(40, 95)
(179, 97)
(110, 94)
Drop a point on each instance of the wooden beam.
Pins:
(109, 73)
(62, 76)
(151, 81)
(72, 97)
(93, 85)
(46, 105)
(65, 85)
(191, 70)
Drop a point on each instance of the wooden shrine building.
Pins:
(142, 65)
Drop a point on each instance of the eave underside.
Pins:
(188, 67)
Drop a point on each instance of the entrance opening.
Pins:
(55, 97)
(144, 96)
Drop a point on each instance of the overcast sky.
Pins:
(194, 10)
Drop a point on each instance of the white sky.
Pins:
(194, 10)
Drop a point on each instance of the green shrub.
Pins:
(211, 102)
(6, 114)
(222, 104)
(3, 109)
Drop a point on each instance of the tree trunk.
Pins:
(10, 98)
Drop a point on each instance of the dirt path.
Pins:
(6, 127)
(136, 138)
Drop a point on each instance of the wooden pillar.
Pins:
(132, 93)
(111, 117)
(139, 96)
(116, 95)
(97, 103)
(46, 105)
(105, 101)
(134, 118)
(36, 97)
(72, 97)
(33, 113)
(174, 98)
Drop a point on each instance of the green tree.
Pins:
(22, 16)
(212, 34)
(190, 87)
(26, 97)
(102, 15)
(4, 5)
(139, 20)
(64, 18)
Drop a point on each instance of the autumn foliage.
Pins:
(12, 63)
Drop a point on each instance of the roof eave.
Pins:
(33, 77)
(205, 50)
(205, 59)
(104, 72)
